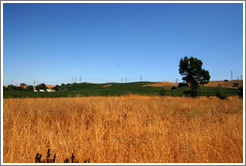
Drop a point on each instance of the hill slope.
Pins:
(118, 89)
(224, 84)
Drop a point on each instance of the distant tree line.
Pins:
(63, 86)
(25, 87)
(41, 86)
(18, 88)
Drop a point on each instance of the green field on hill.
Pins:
(113, 89)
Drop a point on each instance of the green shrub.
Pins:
(5, 88)
(12, 87)
(219, 93)
(29, 88)
(56, 88)
(235, 84)
(180, 85)
(23, 84)
(240, 92)
(20, 88)
(162, 92)
(174, 88)
(193, 92)
(41, 86)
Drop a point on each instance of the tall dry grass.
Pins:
(126, 129)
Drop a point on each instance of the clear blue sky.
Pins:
(55, 43)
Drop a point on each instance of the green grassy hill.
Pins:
(113, 89)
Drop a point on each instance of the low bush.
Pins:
(193, 92)
(38, 159)
(240, 92)
(162, 92)
(235, 84)
(174, 88)
(180, 85)
(56, 88)
(219, 93)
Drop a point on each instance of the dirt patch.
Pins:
(225, 84)
(50, 86)
(163, 83)
(107, 85)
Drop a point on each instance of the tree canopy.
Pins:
(41, 86)
(192, 72)
(23, 84)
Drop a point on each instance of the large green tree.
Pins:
(192, 72)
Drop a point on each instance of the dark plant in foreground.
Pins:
(52, 160)
(47, 160)
(87, 160)
(72, 160)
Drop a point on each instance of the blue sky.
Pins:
(58, 43)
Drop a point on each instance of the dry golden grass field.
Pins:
(127, 129)
(224, 84)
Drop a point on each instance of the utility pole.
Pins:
(141, 78)
(80, 79)
(241, 77)
(231, 75)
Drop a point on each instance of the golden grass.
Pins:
(162, 83)
(224, 84)
(129, 129)
(107, 85)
